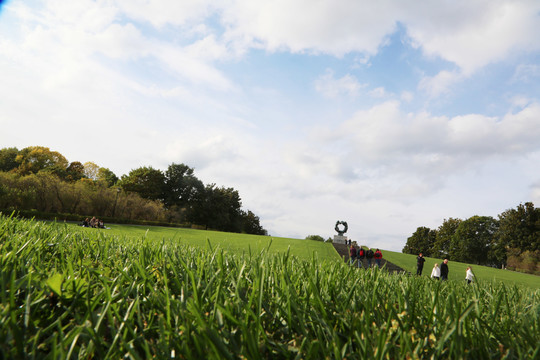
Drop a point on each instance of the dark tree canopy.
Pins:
(520, 228)
(8, 158)
(472, 240)
(421, 241)
(107, 176)
(443, 239)
(148, 182)
(182, 187)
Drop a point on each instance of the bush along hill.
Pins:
(41, 183)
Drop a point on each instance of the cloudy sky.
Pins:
(387, 114)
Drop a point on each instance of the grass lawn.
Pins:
(304, 249)
(231, 242)
(151, 292)
(457, 270)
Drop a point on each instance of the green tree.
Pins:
(421, 241)
(91, 170)
(34, 159)
(472, 241)
(8, 158)
(148, 182)
(219, 209)
(182, 187)
(520, 228)
(107, 176)
(251, 224)
(315, 237)
(75, 171)
(443, 239)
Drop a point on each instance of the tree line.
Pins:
(512, 240)
(36, 178)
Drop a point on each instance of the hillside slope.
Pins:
(457, 270)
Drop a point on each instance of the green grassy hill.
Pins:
(232, 242)
(146, 292)
(304, 249)
(457, 270)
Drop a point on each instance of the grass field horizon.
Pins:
(227, 241)
(304, 249)
(138, 293)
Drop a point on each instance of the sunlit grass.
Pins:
(230, 242)
(67, 293)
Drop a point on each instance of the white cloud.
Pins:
(468, 34)
(165, 12)
(385, 138)
(472, 34)
(526, 73)
(303, 25)
(378, 92)
(407, 96)
(331, 87)
(439, 84)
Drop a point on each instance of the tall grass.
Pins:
(74, 294)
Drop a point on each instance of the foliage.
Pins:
(182, 187)
(176, 196)
(315, 237)
(485, 240)
(33, 159)
(75, 171)
(8, 158)
(47, 193)
(146, 181)
(88, 295)
(520, 228)
(251, 223)
(443, 238)
(219, 209)
(472, 240)
(421, 241)
(528, 261)
(107, 176)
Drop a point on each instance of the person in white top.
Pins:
(469, 275)
(436, 272)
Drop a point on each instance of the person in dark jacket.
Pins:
(369, 256)
(444, 270)
(420, 264)
(360, 256)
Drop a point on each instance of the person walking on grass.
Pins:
(361, 254)
(378, 257)
(436, 272)
(444, 270)
(369, 256)
(420, 264)
(352, 254)
(469, 275)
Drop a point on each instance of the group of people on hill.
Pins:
(442, 271)
(358, 255)
(93, 223)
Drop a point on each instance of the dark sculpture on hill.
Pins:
(345, 227)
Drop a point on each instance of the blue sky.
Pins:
(387, 115)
